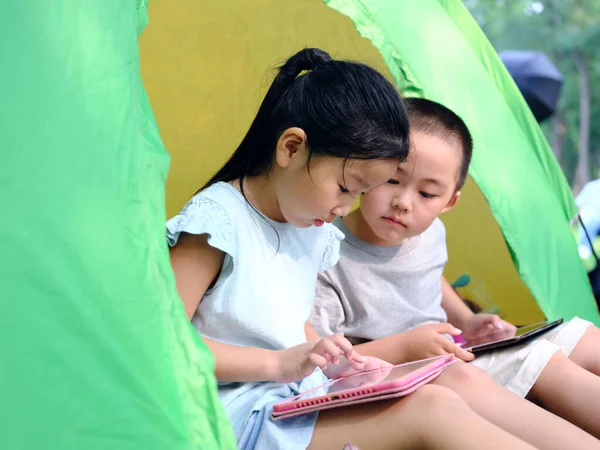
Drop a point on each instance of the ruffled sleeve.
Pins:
(331, 253)
(202, 215)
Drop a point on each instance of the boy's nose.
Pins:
(402, 203)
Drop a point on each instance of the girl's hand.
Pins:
(428, 341)
(345, 368)
(296, 363)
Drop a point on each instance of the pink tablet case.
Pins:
(381, 390)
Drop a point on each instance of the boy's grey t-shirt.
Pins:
(374, 291)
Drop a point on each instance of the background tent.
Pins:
(204, 66)
(97, 353)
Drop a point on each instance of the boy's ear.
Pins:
(291, 143)
(452, 202)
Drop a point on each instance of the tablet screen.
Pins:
(364, 379)
(501, 336)
(527, 328)
(379, 375)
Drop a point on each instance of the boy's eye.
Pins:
(343, 190)
(426, 195)
(392, 181)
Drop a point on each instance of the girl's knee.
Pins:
(424, 412)
(435, 399)
(462, 374)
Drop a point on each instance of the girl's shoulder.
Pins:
(331, 248)
(212, 211)
(220, 196)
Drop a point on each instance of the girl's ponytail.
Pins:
(346, 109)
(253, 156)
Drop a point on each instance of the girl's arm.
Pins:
(196, 266)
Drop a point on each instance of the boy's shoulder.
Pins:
(436, 230)
(432, 242)
(434, 236)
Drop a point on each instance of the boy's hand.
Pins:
(296, 363)
(481, 328)
(428, 341)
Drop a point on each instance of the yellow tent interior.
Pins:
(206, 66)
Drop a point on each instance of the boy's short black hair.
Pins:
(432, 118)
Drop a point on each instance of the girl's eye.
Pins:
(426, 195)
(343, 190)
(392, 181)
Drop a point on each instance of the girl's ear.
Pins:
(452, 202)
(290, 144)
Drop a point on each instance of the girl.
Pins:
(247, 248)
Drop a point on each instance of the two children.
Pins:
(388, 293)
(247, 248)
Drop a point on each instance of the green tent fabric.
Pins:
(512, 162)
(96, 350)
(97, 353)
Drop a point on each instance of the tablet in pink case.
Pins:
(379, 384)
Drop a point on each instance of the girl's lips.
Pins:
(318, 222)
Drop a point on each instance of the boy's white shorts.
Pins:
(518, 368)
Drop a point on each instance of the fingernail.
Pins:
(499, 326)
(458, 330)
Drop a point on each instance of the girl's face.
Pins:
(326, 188)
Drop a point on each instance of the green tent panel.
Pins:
(447, 58)
(97, 352)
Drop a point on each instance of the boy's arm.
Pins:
(458, 312)
(392, 349)
(425, 341)
(311, 334)
(327, 315)
(474, 326)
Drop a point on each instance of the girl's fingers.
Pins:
(358, 357)
(316, 360)
(357, 365)
(343, 343)
(326, 346)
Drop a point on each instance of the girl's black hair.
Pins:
(347, 110)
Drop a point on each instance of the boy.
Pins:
(387, 293)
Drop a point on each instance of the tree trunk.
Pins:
(582, 173)
(559, 129)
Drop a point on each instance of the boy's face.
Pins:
(422, 188)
